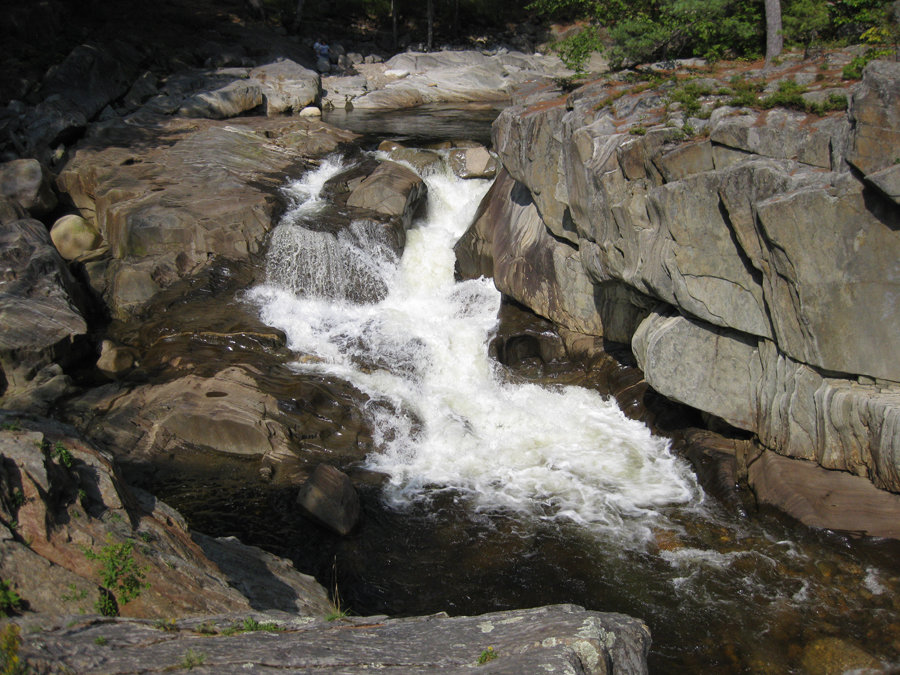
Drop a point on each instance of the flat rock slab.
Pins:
(556, 639)
(833, 500)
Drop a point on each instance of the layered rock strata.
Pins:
(751, 268)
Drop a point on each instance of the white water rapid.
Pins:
(442, 415)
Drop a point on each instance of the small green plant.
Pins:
(10, 642)
(788, 95)
(251, 625)
(638, 131)
(74, 595)
(62, 455)
(337, 611)
(115, 517)
(11, 426)
(193, 659)
(689, 97)
(170, 626)
(145, 537)
(487, 656)
(207, 628)
(123, 579)
(106, 603)
(100, 640)
(18, 498)
(10, 601)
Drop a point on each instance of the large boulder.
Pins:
(74, 236)
(286, 86)
(875, 114)
(42, 314)
(229, 101)
(456, 76)
(392, 190)
(28, 183)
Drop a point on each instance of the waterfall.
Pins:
(352, 263)
(443, 416)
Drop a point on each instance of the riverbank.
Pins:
(146, 345)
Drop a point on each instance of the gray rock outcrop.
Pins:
(42, 317)
(751, 271)
(560, 638)
(456, 77)
(61, 496)
(169, 194)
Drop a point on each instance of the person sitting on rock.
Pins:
(322, 49)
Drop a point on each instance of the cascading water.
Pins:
(422, 350)
(519, 494)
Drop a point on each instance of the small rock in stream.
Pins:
(329, 499)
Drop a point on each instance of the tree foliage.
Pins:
(649, 30)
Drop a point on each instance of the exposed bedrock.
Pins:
(752, 270)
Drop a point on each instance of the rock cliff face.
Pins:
(752, 267)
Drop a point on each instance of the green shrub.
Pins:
(62, 455)
(123, 579)
(10, 601)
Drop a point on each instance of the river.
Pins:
(489, 491)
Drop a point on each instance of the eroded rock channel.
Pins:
(261, 296)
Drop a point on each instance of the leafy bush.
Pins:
(123, 579)
(62, 455)
(10, 642)
(745, 93)
(9, 599)
(689, 97)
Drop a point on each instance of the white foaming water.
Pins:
(441, 416)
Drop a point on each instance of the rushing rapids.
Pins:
(502, 493)
(556, 453)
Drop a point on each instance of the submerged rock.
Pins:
(329, 499)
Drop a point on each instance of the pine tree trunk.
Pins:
(774, 35)
(394, 24)
(298, 15)
(430, 24)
